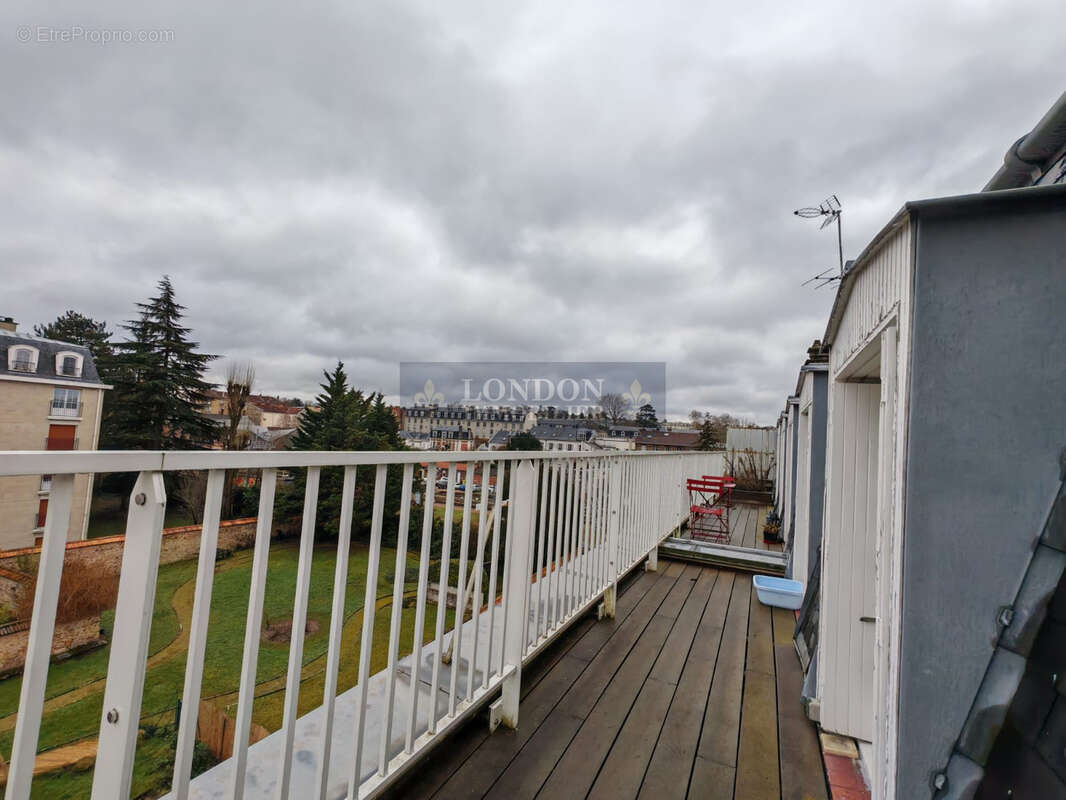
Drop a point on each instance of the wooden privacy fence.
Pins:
(216, 730)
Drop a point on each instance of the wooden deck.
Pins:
(692, 691)
(745, 527)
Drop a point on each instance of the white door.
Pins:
(846, 643)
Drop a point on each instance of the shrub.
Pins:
(84, 592)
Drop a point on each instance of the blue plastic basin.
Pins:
(780, 592)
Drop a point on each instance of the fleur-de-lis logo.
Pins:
(429, 395)
(636, 395)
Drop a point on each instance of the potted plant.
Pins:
(771, 532)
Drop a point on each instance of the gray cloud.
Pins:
(419, 181)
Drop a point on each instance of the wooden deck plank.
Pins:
(623, 771)
(694, 690)
(757, 751)
(675, 652)
(580, 764)
(477, 774)
(784, 625)
(686, 579)
(802, 777)
(760, 638)
(711, 780)
(587, 689)
(590, 644)
(526, 773)
(582, 642)
(676, 748)
(721, 722)
(466, 741)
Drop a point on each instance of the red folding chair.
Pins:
(708, 515)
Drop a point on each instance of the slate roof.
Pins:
(47, 349)
(501, 437)
(562, 433)
(667, 439)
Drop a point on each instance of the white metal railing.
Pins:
(570, 526)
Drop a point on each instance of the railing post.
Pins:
(614, 496)
(42, 630)
(133, 622)
(518, 589)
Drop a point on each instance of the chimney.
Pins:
(8, 324)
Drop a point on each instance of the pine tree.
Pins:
(78, 329)
(708, 441)
(158, 382)
(646, 416)
(346, 419)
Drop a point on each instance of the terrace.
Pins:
(599, 675)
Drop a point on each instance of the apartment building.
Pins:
(269, 412)
(51, 398)
(480, 423)
(565, 434)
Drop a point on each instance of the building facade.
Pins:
(941, 581)
(51, 398)
(664, 440)
(480, 423)
(565, 435)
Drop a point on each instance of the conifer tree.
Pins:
(708, 440)
(346, 419)
(158, 382)
(79, 329)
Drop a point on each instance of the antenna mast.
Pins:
(830, 209)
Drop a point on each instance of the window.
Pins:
(22, 359)
(68, 364)
(66, 402)
(46, 483)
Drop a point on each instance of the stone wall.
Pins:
(105, 554)
(178, 544)
(68, 636)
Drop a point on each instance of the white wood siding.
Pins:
(882, 286)
(862, 532)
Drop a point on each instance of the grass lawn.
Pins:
(222, 663)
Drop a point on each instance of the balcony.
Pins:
(22, 365)
(64, 409)
(668, 681)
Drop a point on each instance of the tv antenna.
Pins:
(830, 210)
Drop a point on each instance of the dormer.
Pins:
(68, 364)
(22, 358)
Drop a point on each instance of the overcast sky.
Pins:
(547, 181)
